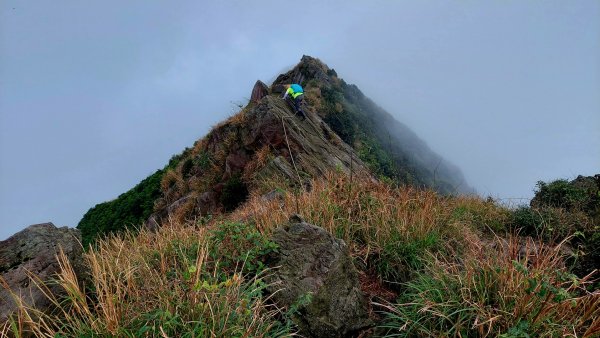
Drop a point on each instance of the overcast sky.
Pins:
(97, 95)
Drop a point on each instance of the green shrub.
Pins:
(488, 294)
(128, 210)
(234, 193)
(240, 247)
(549, 224)
(560, 194)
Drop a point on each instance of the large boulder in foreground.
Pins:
(315, 273)
(33, 251)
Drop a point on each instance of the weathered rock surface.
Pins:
(315, 147)
(259, 91)
(308, 144)
(235, 163)
(316, 272)
(273, 195)
(308, 68)
(34, 251)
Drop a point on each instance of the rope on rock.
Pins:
(294, 163)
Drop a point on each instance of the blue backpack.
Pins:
(297, 88)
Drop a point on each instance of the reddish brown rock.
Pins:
(208, 202)
(259, 91)
(235, 163)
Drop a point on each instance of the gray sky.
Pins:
(95, 96)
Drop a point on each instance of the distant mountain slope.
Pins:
(265, 146)
(389, 147)
(130, 209)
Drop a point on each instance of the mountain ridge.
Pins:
(345, 131)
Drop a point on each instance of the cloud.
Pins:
(94, 97)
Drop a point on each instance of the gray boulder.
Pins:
(315, 273)
(34, 250)
(273, 195)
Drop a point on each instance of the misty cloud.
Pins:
(94, 97)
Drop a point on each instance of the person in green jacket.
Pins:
(294, 95)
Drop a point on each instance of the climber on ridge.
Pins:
(294, 95)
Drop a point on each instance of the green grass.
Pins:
(490, 294)
(448, 266)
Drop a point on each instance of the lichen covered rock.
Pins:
(315, 273)
(33, 251)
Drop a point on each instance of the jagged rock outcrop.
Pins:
(298, 150)
(309, 68)
(259, 91)
(33, 251)
(390, 147)
(315, 272)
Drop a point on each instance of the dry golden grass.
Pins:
(230, 139)
(169, 180)
(371, 212)
(199, 147)
(313, 97)
(259, 159)
(208, 179)
(186, 212)
(238, 118)
(173, 187)
(466, 279)
(151, 285)
(235, 119)
(513, 284)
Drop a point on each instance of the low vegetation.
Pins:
(566, 210)
(432, 265)
(127, 211)
(521, 290)
(178, 282)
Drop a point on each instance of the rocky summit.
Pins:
(344, 131)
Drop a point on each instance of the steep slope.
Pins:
(263, 147)
(129, 209)
(389, 147)
(266, 147)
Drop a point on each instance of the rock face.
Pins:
(259, 91)
(308, 68)
(34, 250)
(298, 151)
(316, 273)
